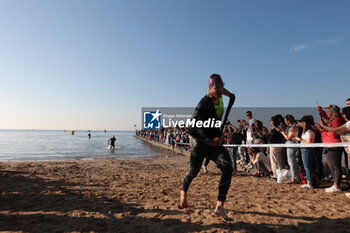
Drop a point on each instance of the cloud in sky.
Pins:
(314, 44)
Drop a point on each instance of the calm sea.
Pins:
(31, 145)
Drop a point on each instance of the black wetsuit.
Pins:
(205, 110)
(112, 140)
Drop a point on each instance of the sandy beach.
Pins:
(141, 195)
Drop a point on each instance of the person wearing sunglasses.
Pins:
(207, 143)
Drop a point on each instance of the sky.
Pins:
(83, 64)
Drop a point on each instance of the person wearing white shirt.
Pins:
(307, 154)
(251, 121)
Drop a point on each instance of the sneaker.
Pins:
(347, 195)
(205, 169)
(307, 186)
(273, 179)
(249, 166)
(332, 189)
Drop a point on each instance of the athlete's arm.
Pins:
(198, 115)
(215, 142)
(228, 94)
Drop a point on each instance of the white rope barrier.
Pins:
(297, 145)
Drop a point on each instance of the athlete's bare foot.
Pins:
(205, 170)
(183, 200)
(219, 210)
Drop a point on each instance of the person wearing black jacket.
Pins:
(234, 136)
(276, 152)
(207, 142)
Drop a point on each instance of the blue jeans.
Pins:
(292, 162)
(233, 154)
(307, 155)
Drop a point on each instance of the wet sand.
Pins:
(141, 195)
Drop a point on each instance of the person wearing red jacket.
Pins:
(332, 118)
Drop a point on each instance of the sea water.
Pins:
(33, 145)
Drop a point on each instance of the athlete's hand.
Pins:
(215, 142)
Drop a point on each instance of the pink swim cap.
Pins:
(215, 79)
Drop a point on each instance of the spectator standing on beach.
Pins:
(292, 131)
(347, 155)
(284, 153)
(242, 129)
(307, 153)
(172, 143)
(343, 130)
(276, 152)
(233, 137)
(260, 135)
(242, 151)
(318, 151)
(207, 142)
(167, 142)
(186, 140)
(178, 137)
(161, 135)
(251, 121)
(334, 154)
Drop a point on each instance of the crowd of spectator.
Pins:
(300, 164)
(177, 137)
